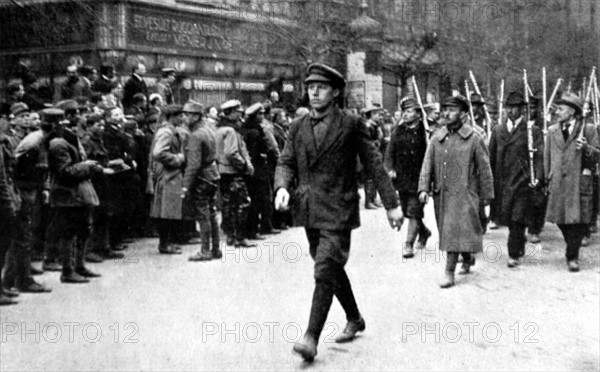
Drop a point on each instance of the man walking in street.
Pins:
(514, 204)
(321, 154)
(571, 154)
(200, 183)
(457, 170)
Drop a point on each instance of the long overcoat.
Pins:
(327, 193)
(167, 164)
(571, 192)
(509, 159)
(457, 170)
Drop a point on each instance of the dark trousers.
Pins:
(18, 268)
(516, 240)
(538, 218)
(7, 232)
(573, 235)
(40, 219)
(452, 260)
(51, 244)
(99, 237)
(72, 228)
(235, 198)
(259, 211)
(330, 251)
(167, 232)
(205, 200)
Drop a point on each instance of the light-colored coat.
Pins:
(570, 199)
(167, 174)
(457, 170)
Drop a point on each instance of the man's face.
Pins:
(397, 115)
(564, 113)
(514, 112)
(213, 113)
(410, 115)
(35, 120)
(478, 110)
(141, 69)
(434, 115)
(451, 114)
(533, 110)
(98, 128)
(171, 78)
(116, 115)
(376, 116)
(321, 95)
(179, 119)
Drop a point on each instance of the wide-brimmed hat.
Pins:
(571, 100)
(515, 99)
(193, 107)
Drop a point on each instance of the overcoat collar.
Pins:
(465, 132)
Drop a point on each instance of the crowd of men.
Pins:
(105, 163)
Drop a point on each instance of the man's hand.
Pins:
(46, 197)
(392, 174)
(282, 199)
(395, 218)
(183, 192)
(423, 197)
(108, 171)
(581, 143)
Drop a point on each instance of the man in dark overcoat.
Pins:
(456, 169)
(571, 155)
(321, 153)
(514, 204)
(134, 85)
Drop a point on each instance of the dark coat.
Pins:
(571, 192)
(9, 197)
(70, 175)
(327, 194)
(103, 85)
(31, 169)
(133, 86)
(167, 164)
(457, 170)
(404, 155)
(201, 164)
(509, 159)
(256, 143)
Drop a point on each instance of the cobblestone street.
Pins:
(155, 312)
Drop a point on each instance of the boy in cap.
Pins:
(234, 165)
(403, 161)
(321, 155)
(571, 154)
(201, 180)
(457, 171)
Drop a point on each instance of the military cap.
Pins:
(18, 108)
(67, 105)
(476, 99)
(51, 116)
(173, 109)
(515, 99)
(318, 72)
(168, 70)
(193, 107)
(232, 103)
(571, 100)
(431, 107)
(457, 101)
(409, 103)
(255, 108)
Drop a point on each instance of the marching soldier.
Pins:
(514, 201)
(571, 154)
(403, 161)
(457, 170)
(321, 153)
(234, 165)
(200, 182)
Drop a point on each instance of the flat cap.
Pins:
(409, 103)
(318, 72)
(457, 101)
(370, 109)
(67, 105)
(571, 100)
(173, 109)
(193, 107)
(168, 70)
(255, 108)
(476, 99)
(232, 103)
(52, 115)
(515, 99)
(18, 108)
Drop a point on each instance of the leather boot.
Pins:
(466, 265)
(321, 303)
(448, 280)
(424, 234)
(351, 329)
(411, 236)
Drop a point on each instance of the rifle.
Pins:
(558, 82)
(501, 102)
(485, 110)
(423, 113)
(544, 104)
(468, 93)
(533, 181)
(587, 100)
